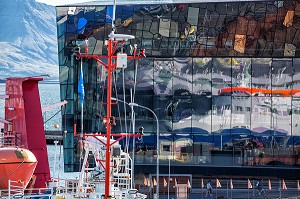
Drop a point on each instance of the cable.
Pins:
(119, 113)
(124, 106)
(135, 79)
(13, 170)
(52, 116)
(102, 95)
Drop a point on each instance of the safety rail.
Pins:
(63, 188)
(15, 189)
(10, 139)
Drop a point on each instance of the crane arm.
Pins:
(50, 107)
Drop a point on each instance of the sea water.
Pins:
(49, 94)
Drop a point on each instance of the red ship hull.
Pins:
(16, 164)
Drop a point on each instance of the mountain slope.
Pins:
(27, 39)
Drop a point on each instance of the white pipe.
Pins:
(54, 168)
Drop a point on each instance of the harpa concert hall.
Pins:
(222, 77)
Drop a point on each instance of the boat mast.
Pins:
(112, 44)
(110, 68)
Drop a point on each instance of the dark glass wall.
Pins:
(222, 79)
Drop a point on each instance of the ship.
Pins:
(24, 166)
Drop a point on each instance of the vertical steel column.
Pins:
(108, 115)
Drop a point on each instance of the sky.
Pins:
(62, 2)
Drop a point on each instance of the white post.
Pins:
(81, 133)
(114, 15)
(221, 142)
(169, 179)
(54, 168)
(9, 182)
(82, 171)
(133, 141)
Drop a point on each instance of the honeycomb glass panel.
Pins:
(202, 76)
(164, 109)
(66, 75)
(182, 76)
(296, 77)
(182, 113)
(201, 114)
(163, 76)
(241, 87)
(144, 82)
(294, 111)
(261, 112)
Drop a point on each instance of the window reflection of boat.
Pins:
(276, 114)
(258, 91)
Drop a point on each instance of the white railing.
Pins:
(15, 189)
(1, 138)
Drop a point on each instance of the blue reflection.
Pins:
(81, 25)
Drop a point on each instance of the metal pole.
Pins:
(54, 168)
(221, 142)
(169, 179)
(9, 182)
(227, 189)
(80, 140)
(280, 189)
(133, 141)
(108, 124)
(81, 132)
(253, 185)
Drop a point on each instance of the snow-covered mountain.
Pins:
(28, 42)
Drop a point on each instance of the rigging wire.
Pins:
(119, 112)
(102, 93)
(52, 116)
(135, 79)
(3, 178)
(125, 110)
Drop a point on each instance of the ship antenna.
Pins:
(114, 16)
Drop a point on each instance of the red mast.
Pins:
(108, 123)
(113, 42)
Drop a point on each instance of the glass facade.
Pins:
(223, 79)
